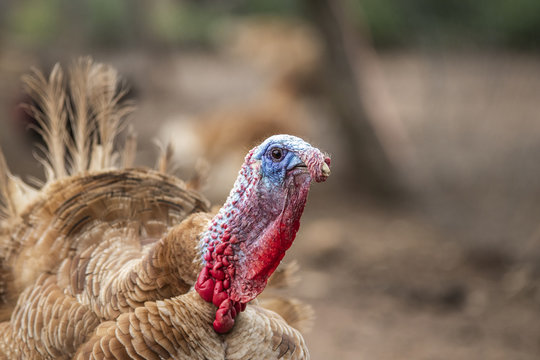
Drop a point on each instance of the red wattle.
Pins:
(214, 282)
(205, 288)
(219, 294)
(246, 244)
(224, 321)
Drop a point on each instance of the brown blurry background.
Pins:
(425, 241)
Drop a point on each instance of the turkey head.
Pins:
(247, 239)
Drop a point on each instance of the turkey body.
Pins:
(111, 262)
(86, 269)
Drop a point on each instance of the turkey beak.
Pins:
(325, 170)
(318, 165)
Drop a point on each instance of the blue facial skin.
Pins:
(272, 178)
(279, 154)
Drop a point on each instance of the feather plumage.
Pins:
(105, 98)
(80, 114)
(51, 116)
(102, 260)
(7, 207)
(164, 161)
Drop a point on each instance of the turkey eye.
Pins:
(277, 154)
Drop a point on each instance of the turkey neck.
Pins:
(247, 239)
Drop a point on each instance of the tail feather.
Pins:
(15, 194)
(50, 115)
(92, 106)
(164, 161)
(95, 109)
(109, 110)
(6, 202)
(80, 115)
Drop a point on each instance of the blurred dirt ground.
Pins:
(454, 274)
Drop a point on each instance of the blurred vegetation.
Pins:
(391, 23)
(490, 23)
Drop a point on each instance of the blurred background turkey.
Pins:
(429, 110)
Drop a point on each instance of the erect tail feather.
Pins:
(50, 114)
(6, 202)
(91, 104)
(15, 194)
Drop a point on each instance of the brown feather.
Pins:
(105, 98)
(100, 262)
(80, 114)
(297, 314)
(51, 117)
(258, 334)
(164, 162)
(7, 207)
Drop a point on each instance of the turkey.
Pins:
(109, 261)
